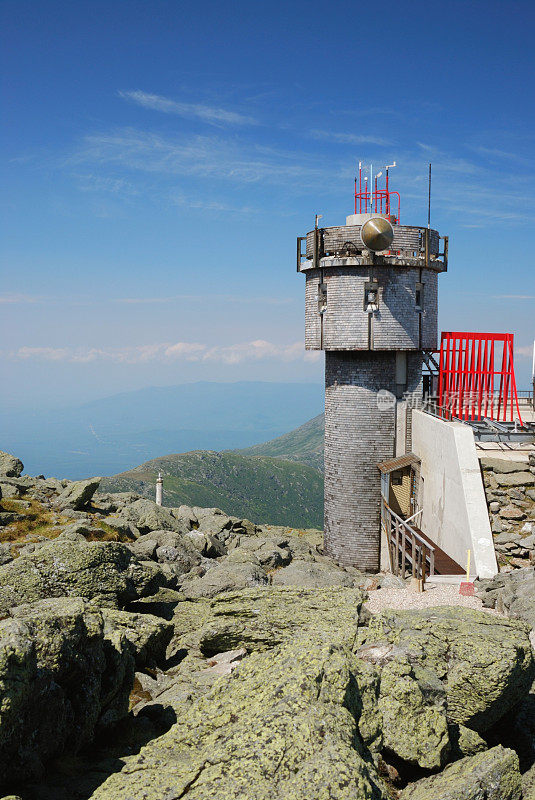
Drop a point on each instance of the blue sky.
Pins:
(161, 157)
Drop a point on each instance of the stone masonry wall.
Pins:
(395, 325)
(358, 435)
(510, 492)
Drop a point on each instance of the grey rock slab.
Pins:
(490, 775)
(147, 516)
(78, 495)
(516, 479)
(225, 577)
(311, 574)
(107, 572)
(502, 465)
(10, 466)
(61, 678)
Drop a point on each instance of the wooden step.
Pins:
(444, 564)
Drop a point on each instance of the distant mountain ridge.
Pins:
(304, 444)
(109, 435)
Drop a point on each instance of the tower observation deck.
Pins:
(371, 303)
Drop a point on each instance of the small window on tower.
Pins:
(322, 298)
(396, 478)
(419, 296)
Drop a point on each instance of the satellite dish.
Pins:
(377, 234)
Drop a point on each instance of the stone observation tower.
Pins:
(371, 304)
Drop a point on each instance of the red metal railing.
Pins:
(378, 201)
(468, 376)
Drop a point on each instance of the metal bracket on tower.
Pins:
(300, 254)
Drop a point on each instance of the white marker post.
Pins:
(159, 489)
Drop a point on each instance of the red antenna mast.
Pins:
(380, 199)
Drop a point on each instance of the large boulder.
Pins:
(61, 676)
(266, 616)
(77, 495)
(312, 574)
(168, 547)
(490, 775)
(281, 725)
(483, 663)
(10, 466)
(148, 635)
(107, 572)
(224, 577)
(147, 516)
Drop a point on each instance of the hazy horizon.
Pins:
(159, 164)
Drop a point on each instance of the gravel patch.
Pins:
(437, 595)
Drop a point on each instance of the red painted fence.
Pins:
(471, 386)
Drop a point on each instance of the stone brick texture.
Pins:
(358, 435)
(395, 326)
(510, 492)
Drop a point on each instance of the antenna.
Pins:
(429, 200)
(388, 166)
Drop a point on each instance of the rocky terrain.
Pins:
(150, 652)
(510, 492)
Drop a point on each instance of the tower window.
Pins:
(419, 296)
(322, 298)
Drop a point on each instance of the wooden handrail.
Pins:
(397, 532)
(402, 521)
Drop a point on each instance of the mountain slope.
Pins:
(304, 444)
(266, 490)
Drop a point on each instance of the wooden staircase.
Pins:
(444, 564)
(411, 551)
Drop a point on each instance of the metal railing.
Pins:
(408, 551)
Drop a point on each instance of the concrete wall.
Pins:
(455, 512)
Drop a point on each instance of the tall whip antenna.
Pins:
(429, 200)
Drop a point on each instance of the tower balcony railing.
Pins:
(412, 245)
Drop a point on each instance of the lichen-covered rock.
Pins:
(512, 592)
(148, 635)
(107, 572)
(411, 704)
(312, 574)
(225, 577)
(10, 466)
(77, 495)
(491, 775)
(147, 516)
(264, 617)
(60, 677)
(465, 742)
(282, 725)
(484, 662)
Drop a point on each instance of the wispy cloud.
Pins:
(256, 350)
(210, 114)
(199, 156)
(19, 299)
(211, 205)
(99, 183)
(525, 351)
(514, 297)
(204, 298)
(348, 138)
